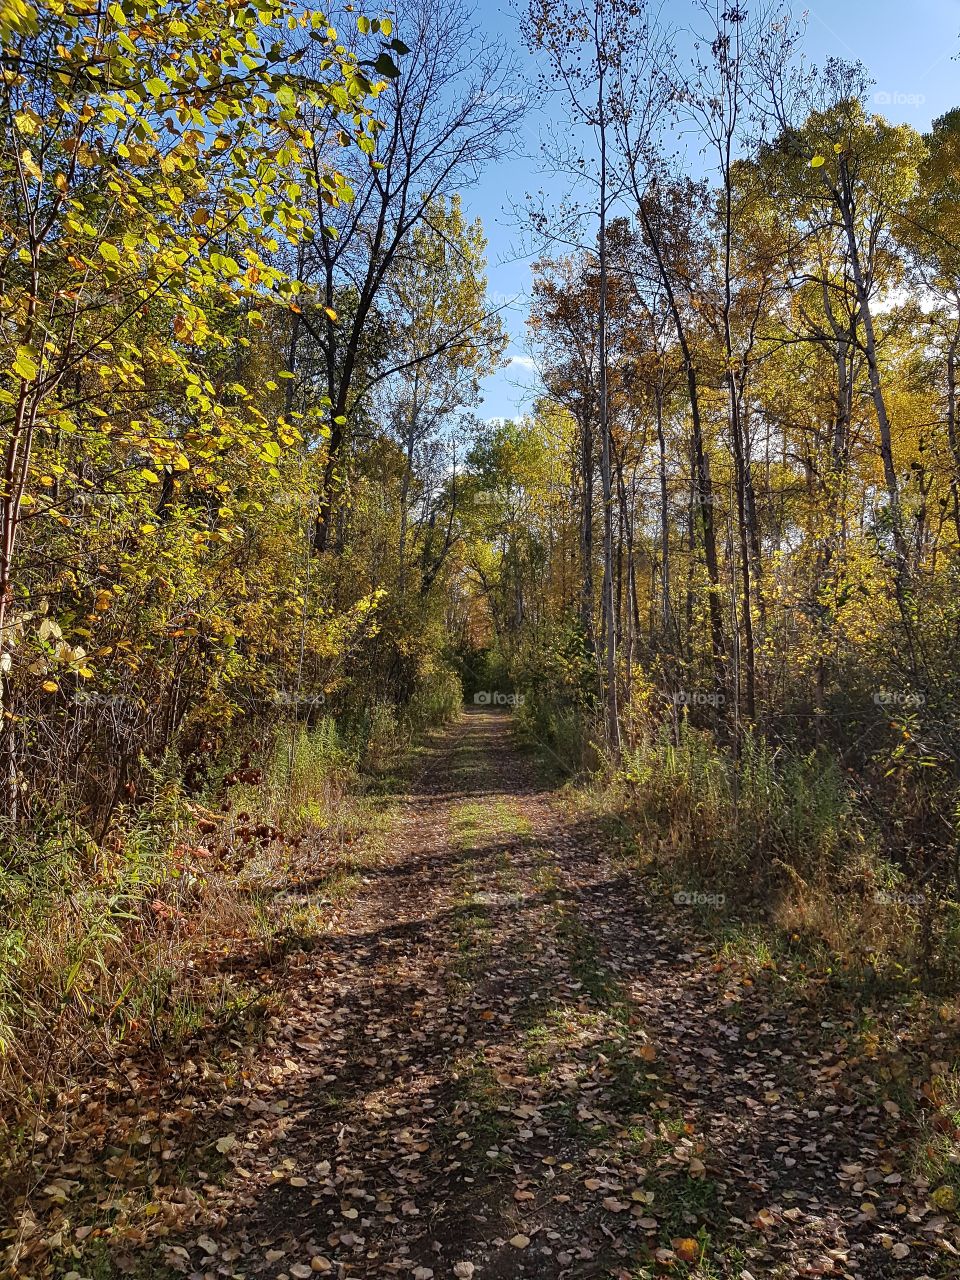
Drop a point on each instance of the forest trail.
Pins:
(504, 1062)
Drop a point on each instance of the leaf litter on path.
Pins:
(502, 1062)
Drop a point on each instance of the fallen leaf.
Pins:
(944, 1198)
(687, 1249)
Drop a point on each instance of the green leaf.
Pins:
(110, 252)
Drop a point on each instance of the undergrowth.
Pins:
(780, 846)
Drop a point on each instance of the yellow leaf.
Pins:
(817, 161)
(51, 686)
(31, 166)
(25, 364)
(27, 121)
(687, 1249)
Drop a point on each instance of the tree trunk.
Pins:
(703, 494)
(612, 709)
(846, 203)
(586, 533)
(667, 611)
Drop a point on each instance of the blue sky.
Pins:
(910, 48)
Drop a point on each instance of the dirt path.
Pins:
(504, 1062)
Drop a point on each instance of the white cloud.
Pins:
(525, 362)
